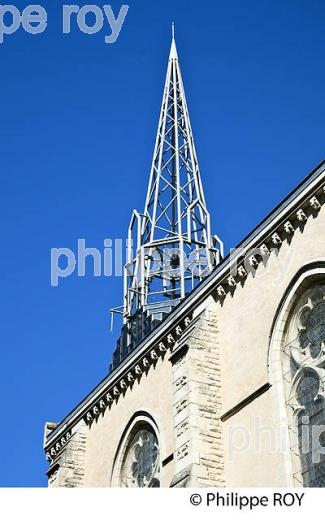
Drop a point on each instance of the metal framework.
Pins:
(170, 248)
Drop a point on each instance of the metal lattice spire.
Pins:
(170, 244)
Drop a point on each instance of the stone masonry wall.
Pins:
(69, 469)
(197, 405)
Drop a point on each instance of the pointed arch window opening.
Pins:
(138, 459)
(304, 379)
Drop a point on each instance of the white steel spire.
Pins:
(170, 243)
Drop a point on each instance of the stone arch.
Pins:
(284, 351)
(140, 421)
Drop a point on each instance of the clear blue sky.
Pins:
(78, 123)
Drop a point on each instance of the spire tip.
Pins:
(173, 51)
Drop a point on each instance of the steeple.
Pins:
(170, 244)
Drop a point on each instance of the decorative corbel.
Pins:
(314, 203)
(301, 215)
(221, 291)
(130, 377)
(265, 250)
(187, 321)
(276, 239)
(288, 227)
(253, 262)
(242, 271)
(123, 384)
(162, 347)
(179, 330)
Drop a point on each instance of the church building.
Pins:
(218, 376)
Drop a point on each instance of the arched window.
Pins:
(138, 459)
(303, 371)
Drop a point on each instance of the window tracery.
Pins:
(140, 465)
(304, 374)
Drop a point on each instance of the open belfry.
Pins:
(220, 365)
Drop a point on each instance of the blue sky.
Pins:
(78, 122)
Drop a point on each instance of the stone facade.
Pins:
(197, 405)
(69, 467)
(211, 372)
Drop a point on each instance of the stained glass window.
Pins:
(306, 390)
(140, 467)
